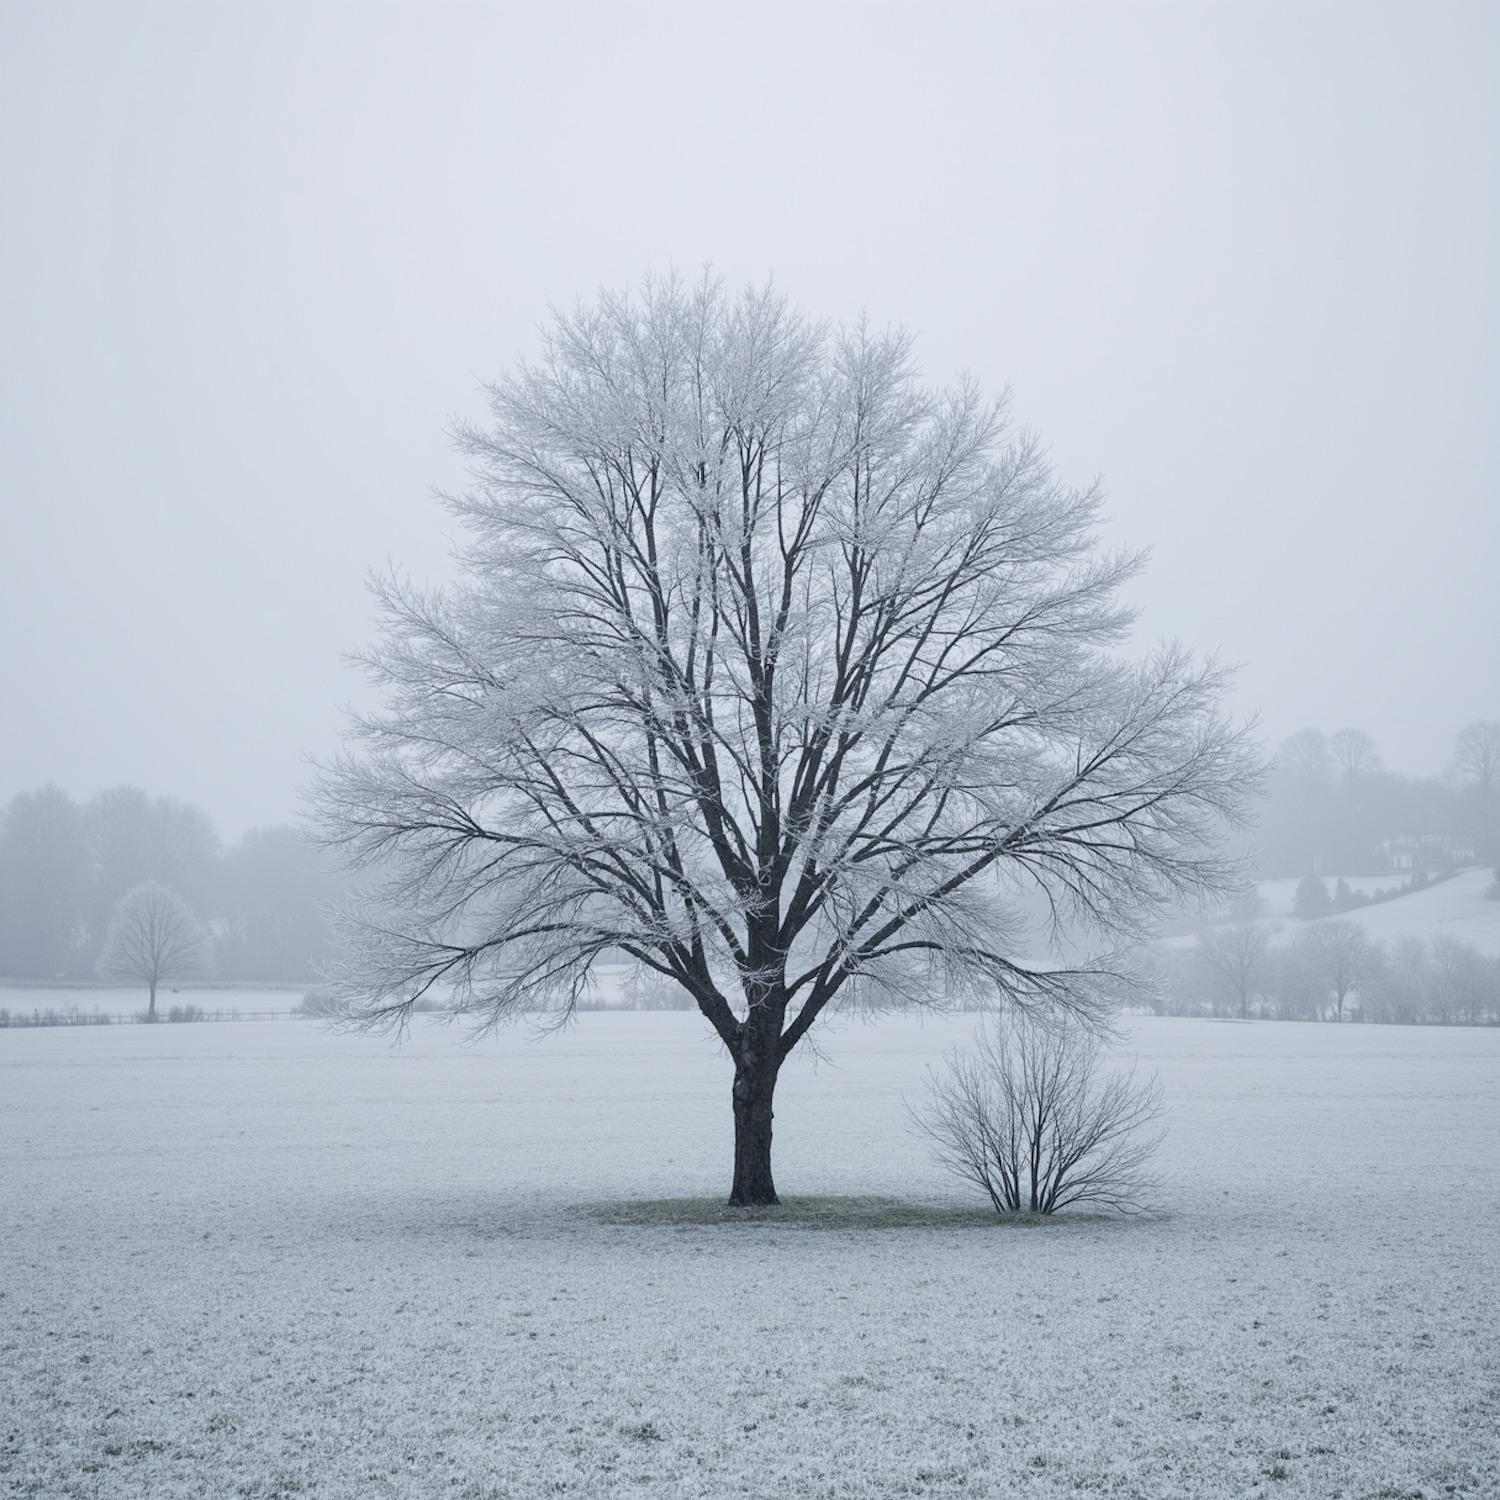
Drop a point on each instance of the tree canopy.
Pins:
(781, 673)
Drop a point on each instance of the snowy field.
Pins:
(264, 1260)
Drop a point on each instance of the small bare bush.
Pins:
(320, 1003)
(1036, 1117)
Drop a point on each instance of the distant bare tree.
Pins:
(134, 838)
(1476, 756)
(1032, 1117)
(1459, 984)
(1477, 753)
(1297, 993)
(1397, 991)
(154, 937)
(43, 885)
(1353, 752)
(1305, 755)
(1234, 957)
(1339, 957)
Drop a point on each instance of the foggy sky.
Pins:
(254, 261)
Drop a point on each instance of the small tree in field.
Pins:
(154, 937)
(782, 675)
(1032, 1117)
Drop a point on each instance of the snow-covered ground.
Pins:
(271, 1261)
(1458, 907)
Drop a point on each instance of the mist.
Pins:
(1238, 261)
(786, 992)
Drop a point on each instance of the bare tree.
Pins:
(154, 937)
(1234, 957)
(1305, 755)
(1459, 981)
(1353, 752)
(780, 674)
(1477, 753)
(1298, 994)
(1032, 1117)
(1338, 956)
(1477, 757)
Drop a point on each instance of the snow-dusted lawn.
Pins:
(265, 1260)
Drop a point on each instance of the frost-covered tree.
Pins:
(1338, 957)
(1476, 758)
(1353, 752)
(1305, 757)
(1476, 754)
(1233, 959)
(1035, 1117)
(780, 673)
(154, 937)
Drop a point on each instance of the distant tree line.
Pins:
(1330, 971)
(1331, 806)
(65, 866)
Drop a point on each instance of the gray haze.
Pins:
(254, 260)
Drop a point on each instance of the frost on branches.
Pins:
(779, 672)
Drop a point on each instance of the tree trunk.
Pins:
(754, 1088)
(151, 1007)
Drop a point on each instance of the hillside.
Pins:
(1456, 908)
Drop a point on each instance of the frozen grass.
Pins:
(270, 1261)
(826, 1212)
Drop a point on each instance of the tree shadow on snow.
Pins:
(823, 1213)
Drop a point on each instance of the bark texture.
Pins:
(753, 1095)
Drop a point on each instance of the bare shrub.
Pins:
(321, 1003)
(1034, 1116)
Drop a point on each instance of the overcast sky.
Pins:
(1241, 260)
